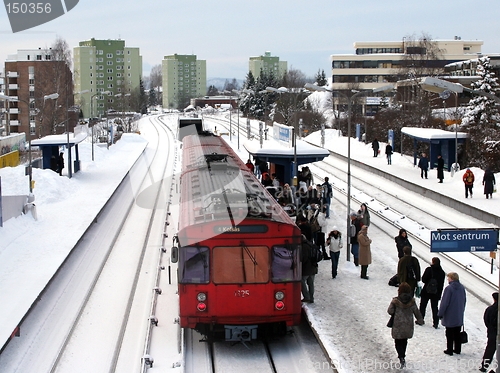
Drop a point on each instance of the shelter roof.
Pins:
(428, 134)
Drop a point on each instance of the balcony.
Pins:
(12, 74)
(13, 86)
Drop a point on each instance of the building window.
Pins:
(110, 63)
(110, 71)
(109, 55)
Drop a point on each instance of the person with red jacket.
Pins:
(468, 180)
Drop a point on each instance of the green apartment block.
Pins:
(184, 78)
(267, 64)
(102, 66)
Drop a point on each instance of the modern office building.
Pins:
(375, 63)
(102, 66)
(267, 64)
(28, 78)
(184, 78)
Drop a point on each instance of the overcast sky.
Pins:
(226, 33)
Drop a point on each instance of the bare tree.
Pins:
(293, 78)
(156, 77)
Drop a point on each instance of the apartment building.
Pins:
(28, 78)
(104, 69)
(184, 78)
(267, 64)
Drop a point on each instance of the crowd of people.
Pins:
(312, 202)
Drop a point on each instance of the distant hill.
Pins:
(219, 82)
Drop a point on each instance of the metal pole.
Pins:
(348, 246)
(230, 122)
(238, 124)
(456, 133)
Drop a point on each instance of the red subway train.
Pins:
(238, 251)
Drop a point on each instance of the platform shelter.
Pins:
(49, 145)
(440, 142)
(280, 151)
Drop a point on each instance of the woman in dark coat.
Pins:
(440, 168)
(433, 272)
(404, 308)
(488, 182)
(402, 241)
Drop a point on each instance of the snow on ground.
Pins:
(349, 314)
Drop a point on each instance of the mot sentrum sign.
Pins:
(463, 240)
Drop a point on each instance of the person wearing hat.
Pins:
(334, 242)
(491, 321)
(356, 223)
(468, 180)
(365, 254)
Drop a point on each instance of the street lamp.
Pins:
(238, 114)
(92, 114)
(386, 88)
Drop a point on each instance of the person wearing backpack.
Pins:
(433, 279)
(468, 180)
(409, 269)
(309, 270)
(365, 253)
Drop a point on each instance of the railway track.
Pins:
(68, 330)
(391, 220)
(296, 352)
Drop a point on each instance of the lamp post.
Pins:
(238, 114)
(386, 88)
(91, 115)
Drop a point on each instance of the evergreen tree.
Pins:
(320, 78)
(482, 119)
(142, 97)
(152, 98)
(212, 91)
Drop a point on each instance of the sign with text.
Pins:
(464, 240)
(24, 15)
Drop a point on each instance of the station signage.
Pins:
(464, 240)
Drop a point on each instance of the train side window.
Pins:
(194, 265)
(286, 264)
(241, 265)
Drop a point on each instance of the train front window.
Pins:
(241, 265)
(286, 264)
(194, 265)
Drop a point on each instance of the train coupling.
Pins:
(240, 333)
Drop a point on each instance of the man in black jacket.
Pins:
(491, 321)
(432, 292)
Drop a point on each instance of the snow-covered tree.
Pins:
(482, 120)
(320, 78)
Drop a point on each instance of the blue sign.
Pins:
(464, 240)
(284, 134)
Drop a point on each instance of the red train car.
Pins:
(239, 264)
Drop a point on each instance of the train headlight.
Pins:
(201, 306)
(279, 295)
(279, 305)
(201, 297)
